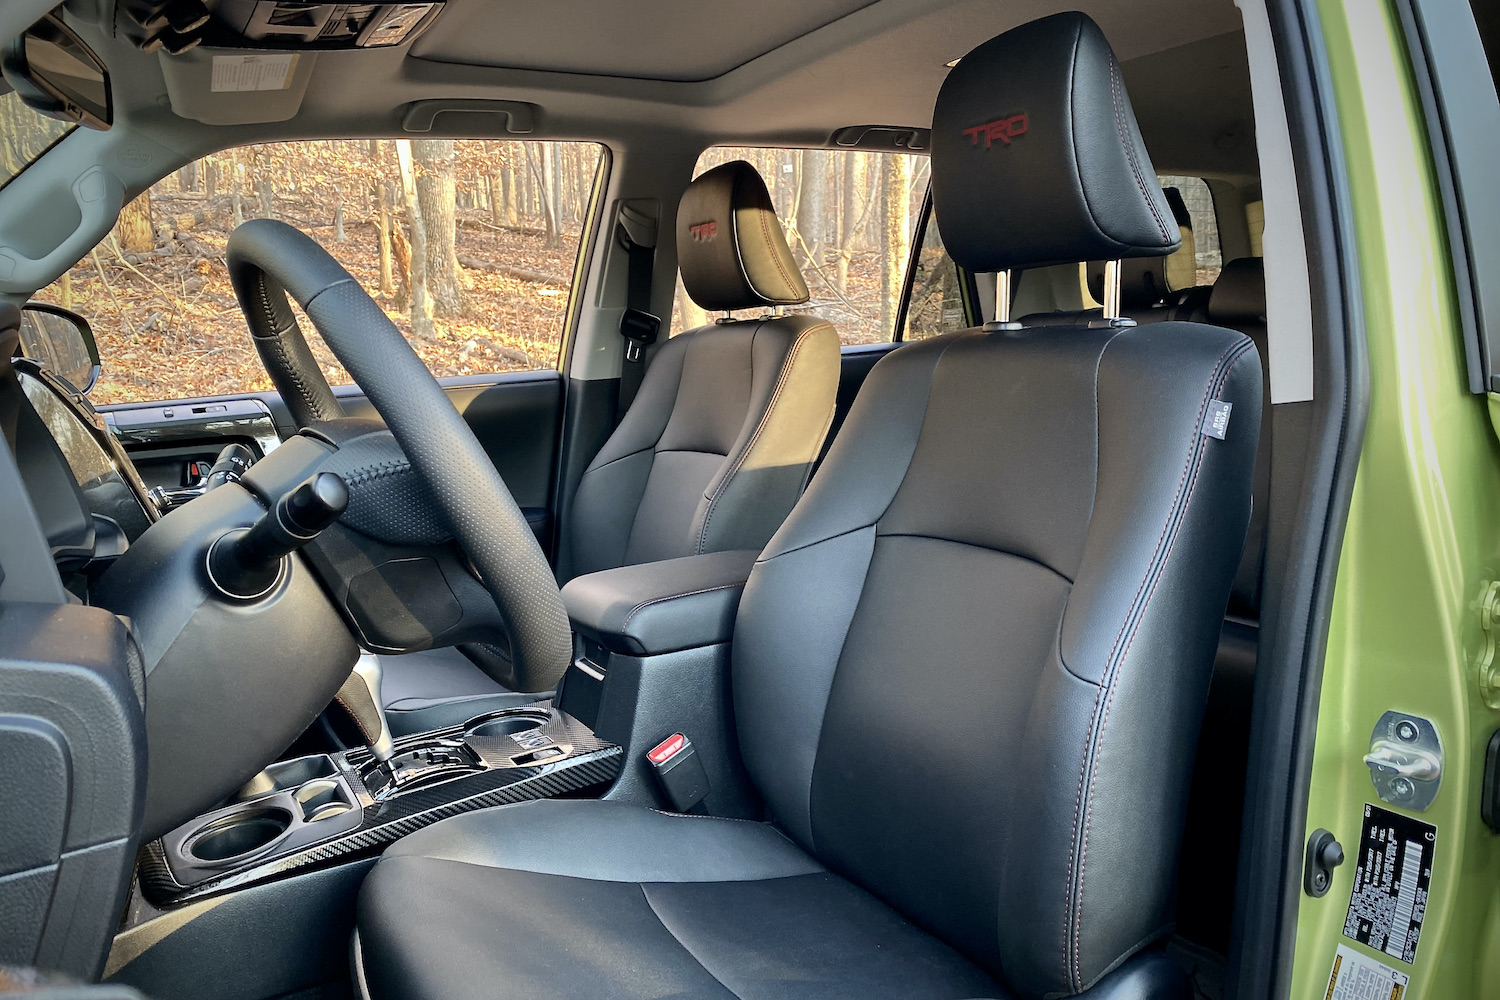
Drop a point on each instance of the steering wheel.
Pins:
(270, 260)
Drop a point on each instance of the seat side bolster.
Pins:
(797, 606)
(1144, 619)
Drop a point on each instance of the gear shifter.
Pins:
(360, 697)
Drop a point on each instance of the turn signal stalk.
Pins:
(246, 563)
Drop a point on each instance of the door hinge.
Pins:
(1488, 606)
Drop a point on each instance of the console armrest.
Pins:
(661, 607)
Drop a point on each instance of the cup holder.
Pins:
(239, 834)
(507, 725)
(322, 799)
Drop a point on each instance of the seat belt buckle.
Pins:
(639, 328)
(679, 771)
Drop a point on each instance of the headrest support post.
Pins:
(1111, 289)
(1002, 320)
(1002, 296)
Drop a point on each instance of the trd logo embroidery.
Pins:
(1004, 129)
(704, 231)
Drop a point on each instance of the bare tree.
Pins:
(437, 192)
(136, 233)
(897, 198)
(812, 205)
(383, 226)
(421, 305)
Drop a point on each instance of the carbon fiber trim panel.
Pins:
(592, 762)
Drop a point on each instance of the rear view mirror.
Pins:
(63, 341)
(57, 75)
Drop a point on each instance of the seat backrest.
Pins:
(1238, 302)
(719, 441)
(970, 668)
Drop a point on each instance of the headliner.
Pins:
(790, 71)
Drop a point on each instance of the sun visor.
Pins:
(236, 87)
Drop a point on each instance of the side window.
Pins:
(1200, 259)
(501, 220)
(849, 216)
(936, 301)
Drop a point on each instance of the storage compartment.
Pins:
(286, 775)
(509, 724)
(230, 838)
(322, 799)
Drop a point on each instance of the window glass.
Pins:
(1200, 239)
(502, 221)
(936, 305)
(849, 217)
(24, 135)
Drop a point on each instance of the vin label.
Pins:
(1389, 898)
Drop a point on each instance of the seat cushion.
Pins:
(572, 899)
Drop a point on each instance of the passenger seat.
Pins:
(715, 449)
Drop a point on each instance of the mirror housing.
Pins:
(57, 75)
(63, 341)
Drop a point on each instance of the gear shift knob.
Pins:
(360, 697)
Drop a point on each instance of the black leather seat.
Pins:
(714, 450)
(968, 671)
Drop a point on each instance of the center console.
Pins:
(288, 852)
(322, 808)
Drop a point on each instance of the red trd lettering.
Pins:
(1004, 129)
(704, 231)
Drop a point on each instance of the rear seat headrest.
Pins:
(1239, 294)
(1036, 156)
(730, 246)
(1143, 281)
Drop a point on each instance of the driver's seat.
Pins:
(969, 670)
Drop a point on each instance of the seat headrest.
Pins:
(1036, 156)
(1239, 294)
(730, 246)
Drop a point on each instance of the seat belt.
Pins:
(638, 325)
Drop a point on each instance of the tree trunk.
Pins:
(812, 206)
(508, 191)
(401, 255)
(339, 236)
(134, 229)
(437, 193)
(421, 306)
(383, 234)
(545, 177)
(897, 195)
(497, 198)
(267, 198)
(847, 225)
(187, 177)
(65, 290)
(239, 211)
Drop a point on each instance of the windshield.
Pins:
(24, 135)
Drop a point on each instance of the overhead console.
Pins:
(179, 25)
(286, 24)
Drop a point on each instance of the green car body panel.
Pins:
(1422, 541)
